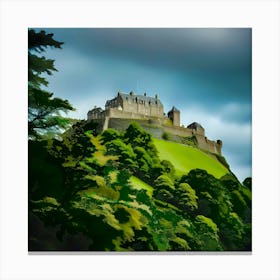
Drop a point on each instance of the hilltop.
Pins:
(149, 113)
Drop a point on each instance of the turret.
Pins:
(174, 116)
(197, 128)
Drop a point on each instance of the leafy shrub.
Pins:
(165, 135)
(167, 167)
(110, 135)
(207, 237)
(124, 151)
(191, 141)
(164, 182)
(248, 183)
(187, 199)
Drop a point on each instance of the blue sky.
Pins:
(204, 72)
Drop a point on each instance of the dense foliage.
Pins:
(81, 197)
(44, 111)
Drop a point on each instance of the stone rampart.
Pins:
(119, 113)
(180, 131)
(208, 145)
(176, 133)
(115, 113)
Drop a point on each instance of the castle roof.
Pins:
(137, 97)
(96, 110)
(195, 125)
(174, 109)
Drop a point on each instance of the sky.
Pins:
(204, 72)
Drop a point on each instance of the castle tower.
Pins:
(174, 116)
(196, 128)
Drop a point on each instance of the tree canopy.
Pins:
(91, 199)
(44, 110)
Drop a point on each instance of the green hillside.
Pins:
(185, 158)
(139, 184)
(114, 192)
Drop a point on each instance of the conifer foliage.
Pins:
(44, 111)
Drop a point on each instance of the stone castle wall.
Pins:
(132, 103)
(148, 112)
(156, 128)
(144, 109)
(115, 113)
(209, 145)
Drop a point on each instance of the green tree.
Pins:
(137, 136)
(110, 135)
(168, 168)
(248, 183)
(164, 182)
(127, 157)
(44, 111)
(164, 188)
(207, 234)
(187, 199)
(145, 163)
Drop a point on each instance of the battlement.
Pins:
(149, 110)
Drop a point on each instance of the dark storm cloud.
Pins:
(212, 64)
(211, 49)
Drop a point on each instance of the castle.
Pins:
(149, 113)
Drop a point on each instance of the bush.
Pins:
(110, 135)
(248, 183)
(187, 197)
(168, 167)
(165, 135)
(164, 182)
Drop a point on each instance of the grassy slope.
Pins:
(185, 158)
(139, 184)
